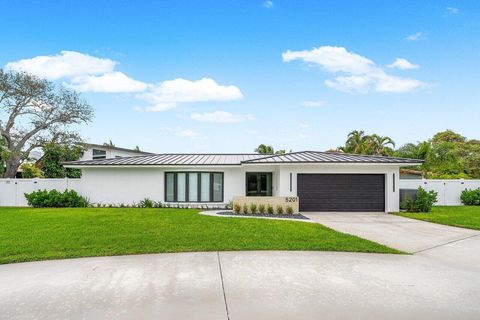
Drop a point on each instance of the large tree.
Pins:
(264, 149)
(56, 152)
(34, 111)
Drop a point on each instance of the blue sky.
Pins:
(296, 75)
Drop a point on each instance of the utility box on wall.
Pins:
(273, 201)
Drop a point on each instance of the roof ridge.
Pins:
(363, 155)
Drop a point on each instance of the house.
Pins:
(99, 151)
(320, 181)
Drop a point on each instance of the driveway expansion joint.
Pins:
(223, 285)
(446, 243)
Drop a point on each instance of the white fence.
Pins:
(12, 190)
(448, 190)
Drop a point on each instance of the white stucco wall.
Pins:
(127, 185)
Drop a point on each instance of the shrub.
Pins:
(30, 170)
(54, 198)
(237, 208)
(146, 203)
(253, 208)
(425, 200)
(245, 209)
(289, 209)
(279, 209)
(261, 208)
(470, 197)
(229, 205)
(408, 205)
(269, 209)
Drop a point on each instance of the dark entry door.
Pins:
(341, 192)
(259, 184)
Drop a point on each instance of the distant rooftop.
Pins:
(101, 146)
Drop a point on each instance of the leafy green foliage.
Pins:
(289, 209)
(55, 199)
(146, 203)
(237, 208)
(55, 154)
(360, 143)
(448, 155)
(470, 197)
(279, 209)
(30, 170)
(425, 200)
(253, 208)
(408, 205)
(261, 208)
(270, 209)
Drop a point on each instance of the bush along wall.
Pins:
(56, 199)
(423, 202)
(470, 197)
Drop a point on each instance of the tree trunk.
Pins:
(12, 165)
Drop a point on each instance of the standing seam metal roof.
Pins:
(238, 159)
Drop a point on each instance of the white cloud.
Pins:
(108, 82)
(359, 74)
(332, 59)
(65, 64)
(403, 64)
(313, 104)
(190, 134)
(221, 117)
(452, 11)
(303, 136)
(168, 94)
(268, 4)
(415, 37)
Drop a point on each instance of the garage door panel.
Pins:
(341, 192)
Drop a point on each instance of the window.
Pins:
(259, 184)
(194, 186)
(99, 154)
(169, 187)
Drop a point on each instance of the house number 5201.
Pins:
(291, 199)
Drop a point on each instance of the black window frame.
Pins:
(103, 154)
(199, 186)
(268, 173)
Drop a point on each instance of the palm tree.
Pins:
(356, 142)
(264, 149)
(109, 144)
(380, 146)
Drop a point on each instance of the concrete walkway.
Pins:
(397, 232)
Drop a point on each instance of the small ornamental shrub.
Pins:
(279, 209)
(408, 205)
(261, 208)
(425, 200)
(253, 208)
(146, 203)
(470, 197)
(237, 208)
(289, 209)
(56, 199)
(245, 209)
(270, 209)
(229, 205)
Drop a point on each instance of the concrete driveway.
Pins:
(397, 232)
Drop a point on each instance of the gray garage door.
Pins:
(341, 192)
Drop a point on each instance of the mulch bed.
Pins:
(267, 215)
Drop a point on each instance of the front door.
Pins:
(259, 184)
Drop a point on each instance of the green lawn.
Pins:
(462, 216)
(28, 234)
